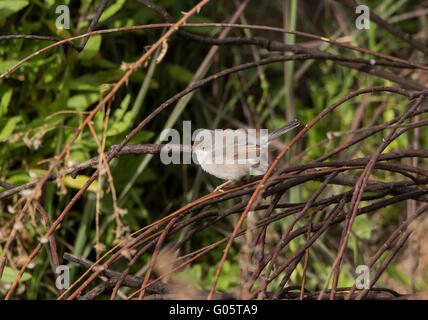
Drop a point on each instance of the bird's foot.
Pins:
(220, 187)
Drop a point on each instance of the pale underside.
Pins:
(242, 161)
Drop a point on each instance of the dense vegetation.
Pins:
(47, 98)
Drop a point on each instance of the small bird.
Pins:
(233, 154)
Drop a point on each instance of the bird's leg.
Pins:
(220, 187)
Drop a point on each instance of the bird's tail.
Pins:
(289, 126)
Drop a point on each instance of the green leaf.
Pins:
(143, 135)
(229, 279)
(9, 7)
(120, 126)
(362, 227)
(9, 275)
(111, 10)
(6, 65)
(17, 178)
(50, 3)
(5, 100)
(344, 279)
(79, 182)
(200, 30)
(179, 73)
(82, 101)
(394, 272)
(93, 81)
(9, 127)
(91, 49)
(76, 183)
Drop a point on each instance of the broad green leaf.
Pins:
(111, 10)
(6, 65)
(18, 178)
(8, 128)
(200, 30)
(179, 73)
(50, 3)
(344, 279)
(9, 275)
(362, 227)
(5, 100)
(120, 126)
(142, 136)
(76, 183)
(91, 49)
(79, 181)
(120, 112)
(9, 7)
(231, 274)
(82, 101)
(93, 81)
(388, 115)
(121, 118)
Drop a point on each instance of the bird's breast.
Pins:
(226, 171)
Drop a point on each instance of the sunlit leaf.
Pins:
(9, 7)
(9, 275)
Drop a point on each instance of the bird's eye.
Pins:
(203, 148)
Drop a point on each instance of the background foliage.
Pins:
(34, 127)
